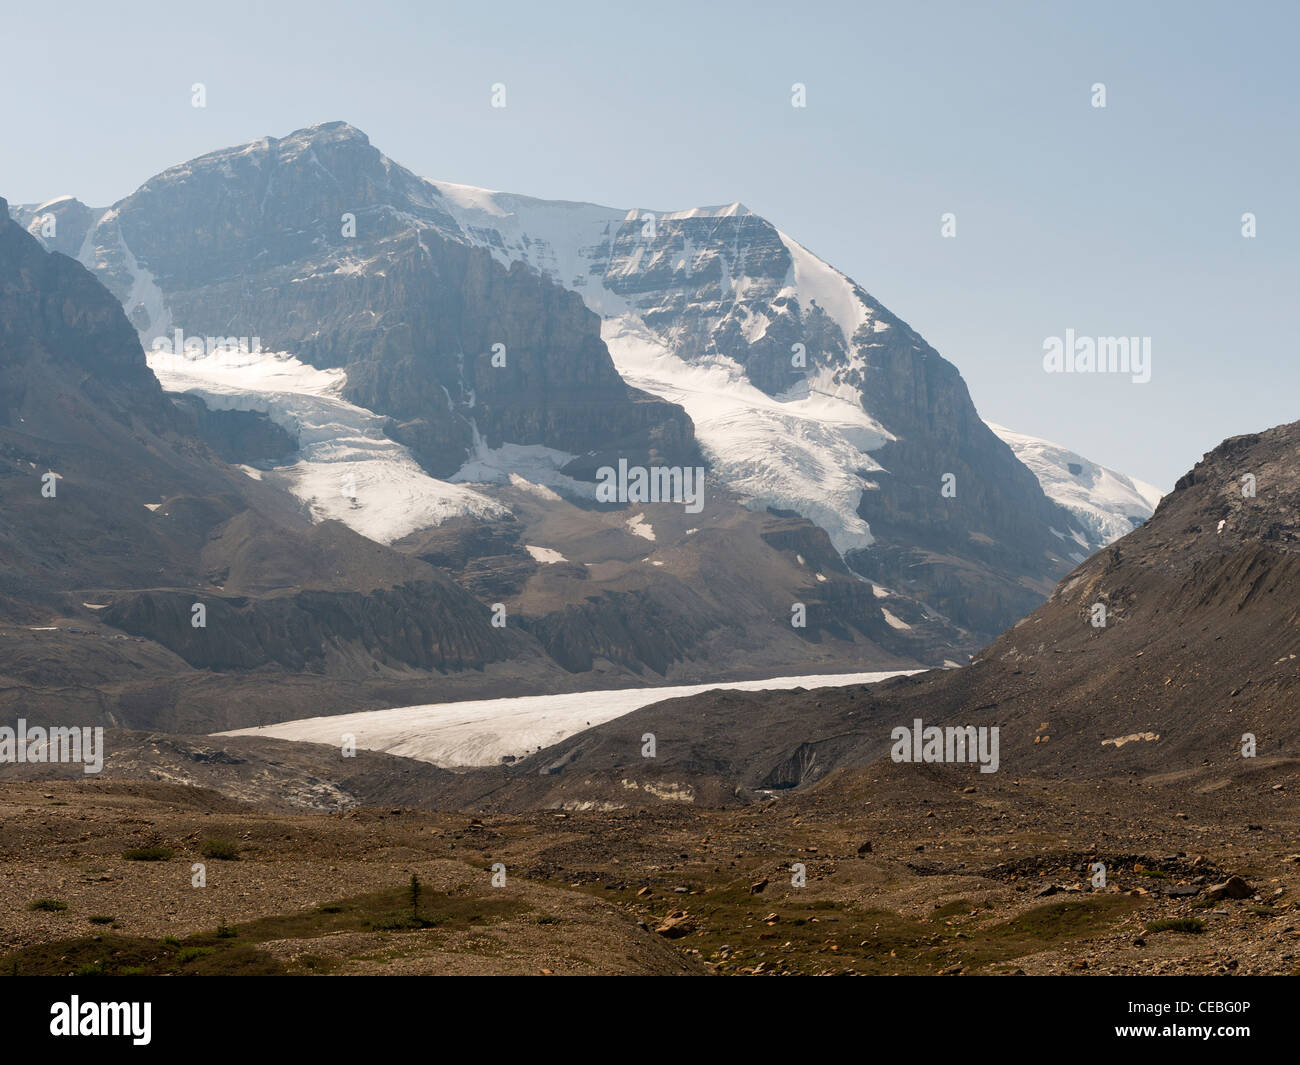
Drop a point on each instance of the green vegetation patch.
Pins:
(1193, 925)
(235, 950)
(148, 854)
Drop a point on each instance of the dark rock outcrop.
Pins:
(425, 625)
(241, 436)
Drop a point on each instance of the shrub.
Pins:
(1177, 924)
(221, 849)
(47, 905)
(147, 854)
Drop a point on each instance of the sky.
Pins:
(1123, 220)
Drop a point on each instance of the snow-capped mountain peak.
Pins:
(1110, 504)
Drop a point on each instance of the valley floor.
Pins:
(963, 874)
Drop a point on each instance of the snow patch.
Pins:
(798, 453)
(346, 469)
(638, 526)
(483, 731)
(819, 282)
(1108, 504)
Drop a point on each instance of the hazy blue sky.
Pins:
(1117, 221)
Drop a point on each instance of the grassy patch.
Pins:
(47, 905)
(100, 918)
(316, 963)
(114, 955)
(148, 854)
(1177, 924)
(824, 935)
(224, 850)
(236, 950)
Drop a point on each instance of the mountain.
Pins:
(423, 356)
(807, 395)
(1108, 504)
(124, 512)
(120, 518)
(253, 239)
(1196, 657)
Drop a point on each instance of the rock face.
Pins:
(239, 436)
(318, 245)
(60, 224)
(56, 319)
(425, 625)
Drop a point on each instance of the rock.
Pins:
(1183, 891)
(865, 848)
(757, 888)
(1232, 888)
(677, 924)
